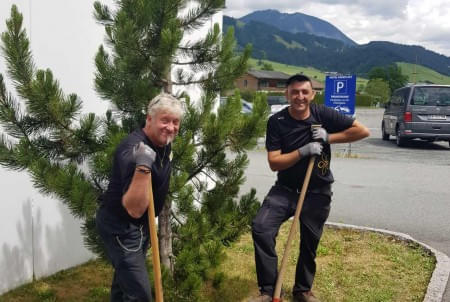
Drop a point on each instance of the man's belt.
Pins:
(321, 190)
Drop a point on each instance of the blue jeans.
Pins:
(278, 206)
(126, 246)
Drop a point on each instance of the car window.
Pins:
(396, 98)
(405, 95)
(431, 96)
(401, 96)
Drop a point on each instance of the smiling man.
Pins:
(122, 219)
(290, 143)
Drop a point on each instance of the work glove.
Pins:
(319, 134)
(310, 149)
(144, 155)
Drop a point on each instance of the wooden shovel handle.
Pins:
(155, 246)
(292, 231)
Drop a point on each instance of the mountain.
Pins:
(327, 54)
(298, 22)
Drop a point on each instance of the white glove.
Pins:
(320, 134)
(310, 149)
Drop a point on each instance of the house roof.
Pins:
(266, 74)
(278, 75)
(317, 85)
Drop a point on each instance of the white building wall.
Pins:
(38, 235)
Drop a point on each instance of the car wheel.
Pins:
(384, 135)
(401, 141)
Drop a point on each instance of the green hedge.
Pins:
(319, 98)
(247, 95)
(365, 100)
(361, 100)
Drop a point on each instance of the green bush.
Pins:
(361, 100)
(319, 98)
(365, 100)
(247, 95)
(276, 93)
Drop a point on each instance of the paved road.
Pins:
(383, 186)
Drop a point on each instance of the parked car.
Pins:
(276, 100)
(276, 103)
(418, 112)
(247, 107)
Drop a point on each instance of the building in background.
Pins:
(268, 81)
(263, 80)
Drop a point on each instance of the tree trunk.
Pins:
(164, 226)
(165, 236)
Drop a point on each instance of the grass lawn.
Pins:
(420, 74)
(352, 266)
(291, 69)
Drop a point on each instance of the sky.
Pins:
(412, 22)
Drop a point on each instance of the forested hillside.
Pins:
(327, 54)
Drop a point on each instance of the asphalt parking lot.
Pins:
(383, 186)
(375, 148)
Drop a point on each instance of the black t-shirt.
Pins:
(123, 171)
(288, 134)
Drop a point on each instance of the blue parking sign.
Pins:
(340, 93)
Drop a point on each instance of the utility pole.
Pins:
(415, 71)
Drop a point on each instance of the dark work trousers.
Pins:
(126, 246)
(278, 206)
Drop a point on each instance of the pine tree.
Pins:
(49, 138)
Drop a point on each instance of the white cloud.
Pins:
(412, 22)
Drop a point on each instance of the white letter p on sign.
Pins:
(339, 85)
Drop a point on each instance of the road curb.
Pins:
(441, 273)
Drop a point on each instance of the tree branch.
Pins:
(204, 79)
(211, 62)
(205, 163)
(209, 176)
(199, 16)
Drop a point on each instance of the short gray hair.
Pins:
(165, 102)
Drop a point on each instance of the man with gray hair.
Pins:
(122, 219)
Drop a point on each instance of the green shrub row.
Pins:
(361, 100)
